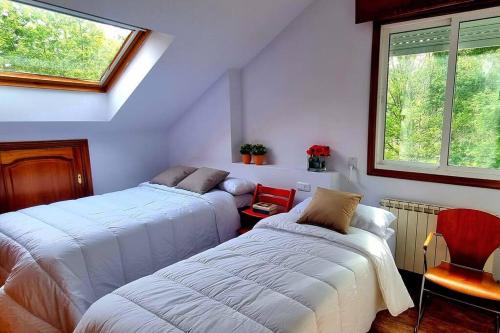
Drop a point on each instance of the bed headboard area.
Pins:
(285, 177)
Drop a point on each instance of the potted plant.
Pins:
(317, 155)
(246, 153)
(259, 154)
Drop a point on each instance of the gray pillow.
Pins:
(171, 177)
(203, 180)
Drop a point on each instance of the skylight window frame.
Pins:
(123, 57)
(443, 172)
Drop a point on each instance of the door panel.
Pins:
(39, 181)
(11, 156)
(35, 173)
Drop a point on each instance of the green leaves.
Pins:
(415, 104)
(39, 41)
(246, 148)
(475, 136)
(259, 149)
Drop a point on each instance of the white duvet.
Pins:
(57, 260)
(280, 277)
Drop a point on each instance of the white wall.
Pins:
(210, 36)
(311, 86)
(119, 158)
(41, 105)
(202, 136)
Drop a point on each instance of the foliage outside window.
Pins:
(42, 43)
(438, 109)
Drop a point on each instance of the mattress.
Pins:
(279, 277)
(57, 260)
(244, 200)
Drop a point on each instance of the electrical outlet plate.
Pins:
(303, 187)
(352, 162)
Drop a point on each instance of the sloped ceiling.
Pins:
(210, 37)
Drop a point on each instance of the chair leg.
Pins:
(498, 324)
(420, 306)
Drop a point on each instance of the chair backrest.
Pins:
(281, 197)
(471, 235)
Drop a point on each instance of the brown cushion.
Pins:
(331, 209)
(171, 177)
(203, 180)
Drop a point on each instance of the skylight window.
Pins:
(49, 47)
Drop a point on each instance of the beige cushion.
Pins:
(171, 177)
(203, 180)
(331, 209)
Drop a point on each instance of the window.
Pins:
(50, 47)
(437, 112)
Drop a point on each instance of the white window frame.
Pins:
(452, 20)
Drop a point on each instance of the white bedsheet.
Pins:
(57, 260)
(244, 200)
(279, 277)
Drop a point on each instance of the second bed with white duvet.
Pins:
(280, 277)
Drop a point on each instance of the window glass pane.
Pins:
(417, 72)
(475, 135)
(44, 42)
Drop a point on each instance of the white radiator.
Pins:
(414, 222)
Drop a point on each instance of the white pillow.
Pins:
(388, 233)
(237, 186)
(372, 219)
(299, 209)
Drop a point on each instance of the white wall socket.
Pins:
(304, 187)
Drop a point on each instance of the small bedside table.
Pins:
(247, 221)
(244, 230)
(281, 197)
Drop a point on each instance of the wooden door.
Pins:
(36, 173)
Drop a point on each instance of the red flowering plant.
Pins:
(317, 157)
(317, 150)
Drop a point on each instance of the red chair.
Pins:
(281, 197)
(471, 237)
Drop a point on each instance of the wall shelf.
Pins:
(286, 177)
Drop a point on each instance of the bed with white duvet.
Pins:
(279, 277)
(56, 260)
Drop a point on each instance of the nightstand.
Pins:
(247, 222)
(244, 230)
(283, 198)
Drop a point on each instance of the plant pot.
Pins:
(259, 159)
(246, 158)
(316, 163)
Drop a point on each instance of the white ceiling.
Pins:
(211, 36)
